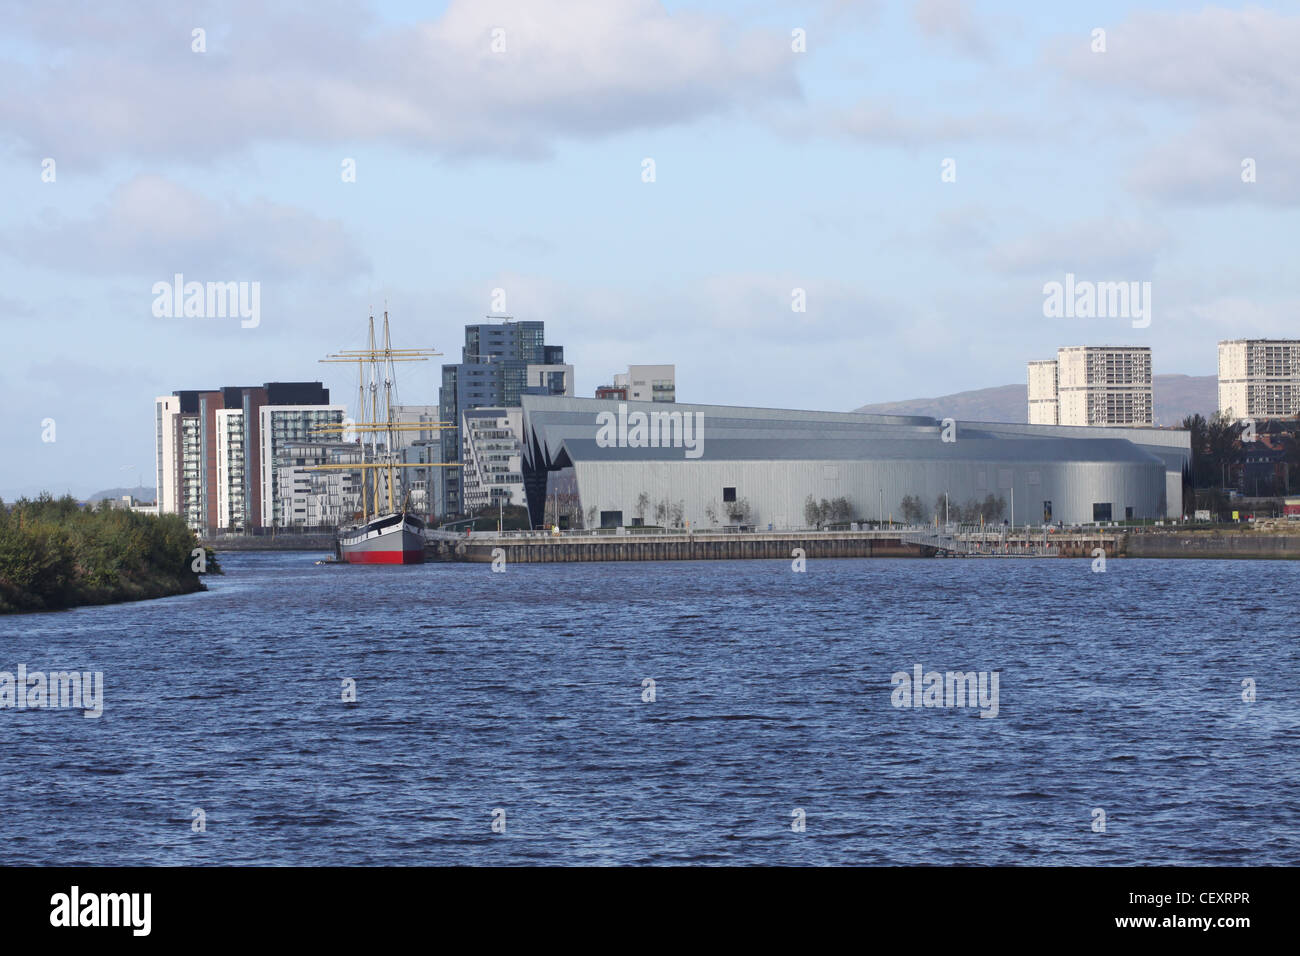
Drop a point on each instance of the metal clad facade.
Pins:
(775, 459)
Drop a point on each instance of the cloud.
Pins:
(743, 320)
(951, 21)
(1097, 249)
(1233, 317)
(847, 13)
(879, 123)
(103, 85)
(15, 309)
(1233, 79)
(154, 226)
(1209, 164)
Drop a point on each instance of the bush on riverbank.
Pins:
(56, 554)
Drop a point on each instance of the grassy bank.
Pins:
(55, 554)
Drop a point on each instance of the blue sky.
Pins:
(521, 170)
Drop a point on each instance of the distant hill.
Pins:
(1176, 397)
(141, 493)
(1005, 403)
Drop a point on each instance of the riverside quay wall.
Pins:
(265, 542)
(1219, 544)
(674, 547)
(543, 548)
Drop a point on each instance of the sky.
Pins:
(918, 170)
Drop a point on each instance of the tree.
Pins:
(1223, 447)
(993, 508)
(839, 509)
(1195, 425)
(812, 514)
(677, 513)
(739, 511)
(1216, 449)
(55, 554)
(512, 517)
(642, 505)
(912, 509)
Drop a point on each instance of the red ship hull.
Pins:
(389, 539)
(384, 557)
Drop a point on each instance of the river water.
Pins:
(520, 698)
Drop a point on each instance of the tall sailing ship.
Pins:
(385, 530)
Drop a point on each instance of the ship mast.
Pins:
(388, 408)
(374, 409)
(377, 419)
(361, 441)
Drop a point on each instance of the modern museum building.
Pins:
(617, 463)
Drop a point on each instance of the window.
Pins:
(1047, 512)
(1101, 511)
(728, 494)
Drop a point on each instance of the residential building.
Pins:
(132, 503)
(1263, 466)
(501, 361)
(425, 486)
(167, 410)
(1259, 378)
(1044, 407)
(318, 499)
(286, 430)
(648, 383)
(1094, 386)
(491, 455)
(211, 450)
(548, 380)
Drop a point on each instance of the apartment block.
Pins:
(492, 454)
(1259, 378)
(425, 486)
(648, 383)
(1094, 385)
(548, 380)
(1044, 407)
(501, 361)
(284, 430)
(212, 453)
(318, 499)
(167, 411)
